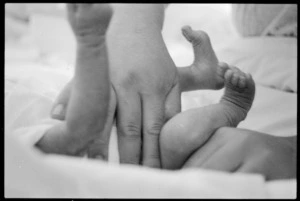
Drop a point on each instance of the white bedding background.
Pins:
(38, 65)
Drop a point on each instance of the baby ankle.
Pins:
(234, 114)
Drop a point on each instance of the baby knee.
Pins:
(174, 138)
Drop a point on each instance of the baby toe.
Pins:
(248, 76)
(188, 33)
(228, 75)
(249, 81)
(236, 70)
(195, 37)
(242, 82)
(235, 79)
(224, 66)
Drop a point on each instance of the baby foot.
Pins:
(189, 130)
(89, 21)
(239, 94)
(206, 69)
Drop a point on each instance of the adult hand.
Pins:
(145, 80)
(241, 150)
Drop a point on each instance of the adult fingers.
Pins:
(59, 107)
(129, 127)
(153, 120)
(99, 148)
(173, 103)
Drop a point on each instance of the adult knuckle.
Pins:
(162, 88)
(154, 129)
(131, 129)
(126, 80)
(152, 132)
(130, 79)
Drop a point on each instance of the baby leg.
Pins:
(206, 72)
(187, 131)
(88, 105)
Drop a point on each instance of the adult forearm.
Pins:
(135, 33)
(137, 18)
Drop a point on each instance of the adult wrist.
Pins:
(137, 18)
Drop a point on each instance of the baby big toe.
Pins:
(188, 33)
(224, 66)
(195, 37)
(228, 75)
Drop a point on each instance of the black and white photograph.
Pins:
(161, 100)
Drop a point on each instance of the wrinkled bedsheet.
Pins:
(30, 89)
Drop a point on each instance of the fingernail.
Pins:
(58, 110)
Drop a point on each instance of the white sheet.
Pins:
(28, 174)
(272, 61)
(61, 176)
